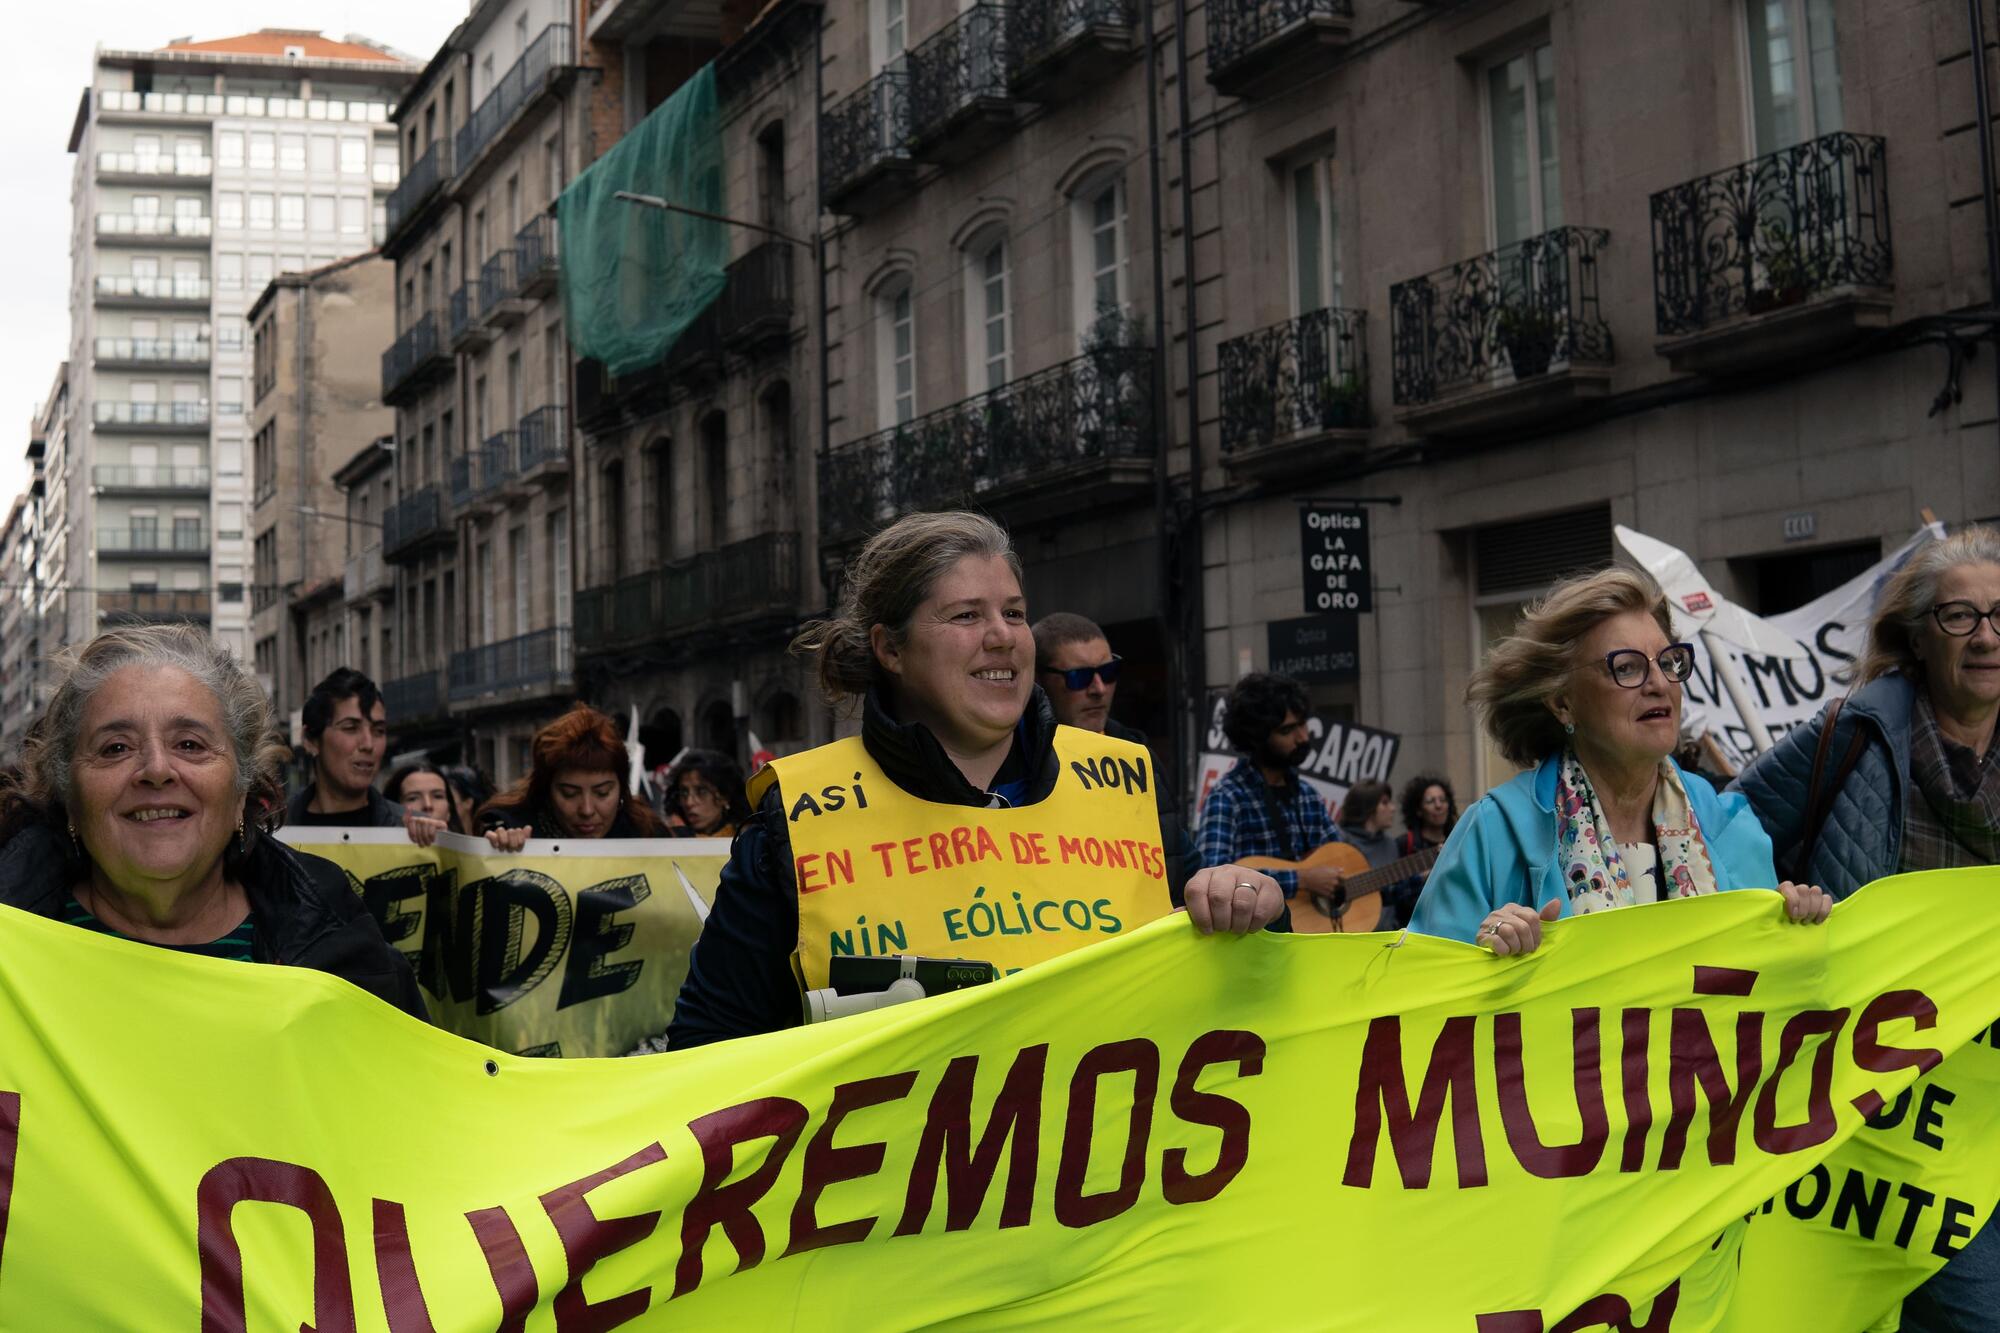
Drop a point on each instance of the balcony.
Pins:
(960, 103)
(115, 290)
(756, 307)
(500, 301)
(150, 353)
(152, 606)
(744, 583)
(152, 541)
(1258, 47)
(151, 168)
(153, 229)
(536, 266)
(1295, 395)
(526, 667)
(413, 361)
(1503, 338)
(1072, 437)
(864, 147)
(695, 359)
(1057, 49)
(415, 524)
(151, 418)
(366, 575)
(119, 479)
(543, 446)
(420, 187)
(1782, 257)
(462, 320)
(525, 80)
(120, 103)
(413, 699)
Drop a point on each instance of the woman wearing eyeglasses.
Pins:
(705, 797)
(1586, 694)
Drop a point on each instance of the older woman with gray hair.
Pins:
(1903, 774)
(137, 813)
(1586, 695)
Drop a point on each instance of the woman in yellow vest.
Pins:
(961, 823)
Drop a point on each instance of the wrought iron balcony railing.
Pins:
(1237, 29)
(1039, 32)
(542, 661)
(153, 540)
(535, 263)
(757, 303)
(145, 606)
(430, 171)
(494, 463)
(1306, 375)
(459, 313)
(119, 477)
(865, 131)
(417, 345)
(1094, 409)
(365, 574)
(543, 438)
(153, 351)
(1772, 232)
(743, 580)
(162, 416)
(957, 71)
(414, 698)
(1517, 310)
(412, 520)
(157, 226)
(496, 282)
(524, 79)
(188, 291)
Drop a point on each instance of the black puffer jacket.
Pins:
(740, 980)
(380, 812)
(306, 914)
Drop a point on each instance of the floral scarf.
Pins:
(1593, 872)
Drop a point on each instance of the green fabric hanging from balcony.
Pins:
(634, 277)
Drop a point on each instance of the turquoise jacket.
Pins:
(1504, 851)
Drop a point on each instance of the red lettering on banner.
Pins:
(507, 1260)
(836, 867)
(1694, 1060)
(940, 848)
(988, 849)
(1873, 1056)
(1070, 848)
(911, 861)
(402, 1295)
(1552, 1161)
(1382, 1095)
(262, 1180)
(1024, 851)
(10, 1147)
(826, 1165)
(1820, 1123)
(884, 850)
(805, 870)
(1194, 1107)
(1140, 1058)
(728, 1206)
(1598, 1312)
(962, 846)
(969, 1170)
(586, 1238)
(1038, 843)
(1635, 1028)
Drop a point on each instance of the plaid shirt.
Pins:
(1236, 822)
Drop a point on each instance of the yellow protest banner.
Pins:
(562, 949)
(1157, 1131)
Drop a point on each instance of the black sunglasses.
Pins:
(1078, 678)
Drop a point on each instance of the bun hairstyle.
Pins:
(885, 584)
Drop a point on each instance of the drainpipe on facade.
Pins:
(819, 274)
(1174, 642)
(1982, 105)
(1195, 639)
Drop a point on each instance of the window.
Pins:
(229, 583)
(352, 219)
(611, 504)
(771, 175)
(263, 152)
(320, 218)
(379, 222)
(187, 208)
(353, 156)
(559, 565)
(229, 148)
(891, 31)
(229, 271)
(322, 154)
(228, 521)
(229, 333)
(291, 212)
(660, 497)
(1097, 231)
(260, 272)
(1316, 278)
(229, 210)
(1794, 72)
(229, 458)
(146, 205)
(263, 212)
(896, 355)
(146, 148)
(1521, 121)
(715, 476)
(291, 152)
(552, 163)
(229, 395)
(987, 336)
(482, 565)
(517, 559)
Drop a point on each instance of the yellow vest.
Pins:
(881, 872)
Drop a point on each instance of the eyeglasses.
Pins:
(698, 793)
(1629, 667)
(1078, 678)
(1960, 619)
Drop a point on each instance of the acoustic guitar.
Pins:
(1362, 886)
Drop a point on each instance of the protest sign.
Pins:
(1343, 754)
(565, 948)
(1137, 1133)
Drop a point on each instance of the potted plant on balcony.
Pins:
(1784, 276)
(1528, 331)
(1343, 404)
(1112, 391)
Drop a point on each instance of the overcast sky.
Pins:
(53, 45)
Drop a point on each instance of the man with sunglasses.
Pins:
(1079, 672)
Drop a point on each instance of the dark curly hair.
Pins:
(1258, 706)
(1413, 802)
(720, 772)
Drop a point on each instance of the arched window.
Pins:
(718, 727)
(660, 498)
(611, 510)
(1100, 257)
(776, 407)
(895, 353)
(988, 324)
(782, 719)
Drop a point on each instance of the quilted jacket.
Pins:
(1863, 833)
